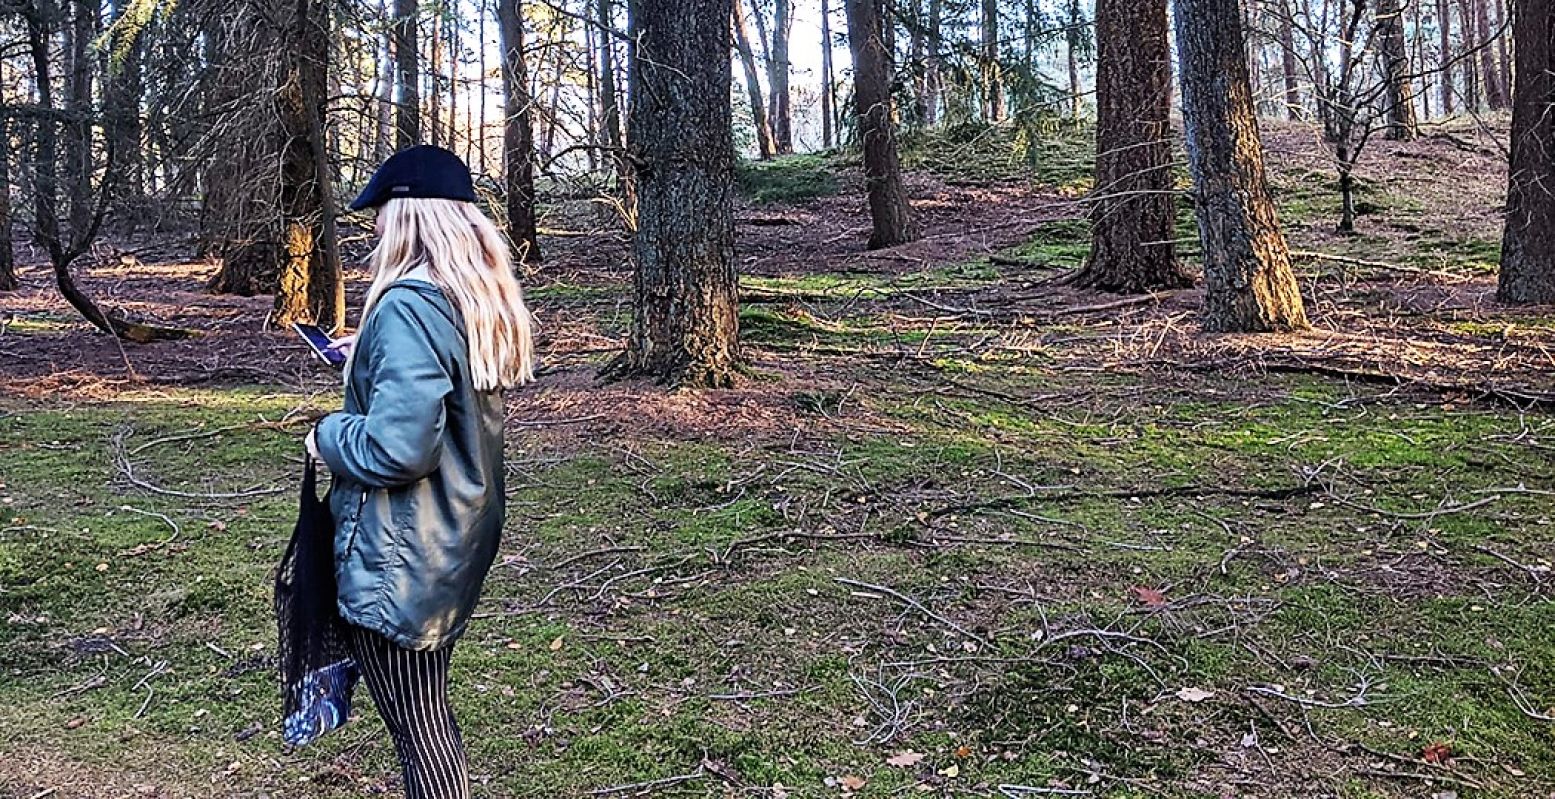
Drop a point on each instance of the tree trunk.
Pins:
(1528, 245)
(1135, 207)
(685, 330)
(518, 137)
(828, 82)
(78, 106)
(778, 68)
(126, 85)
(992, 72)
(1399, 98)
(915, 61)
(1495, 90)
(407, 74)
(1072, 41)
(383, 143)
(1473, 88)
(1503, 51)
(1249, 283)
(1288, 62)
(888, 208)
(742, 44)
(1444, 57)
(8, 281)
(311, 289)
(932, 69)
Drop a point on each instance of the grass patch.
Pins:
(788, 179)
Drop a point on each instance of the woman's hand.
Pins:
(343, 345)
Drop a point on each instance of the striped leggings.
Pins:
(410, 689)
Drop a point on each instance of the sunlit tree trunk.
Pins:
(1249, 283)
(1528, 245)
(1400, 100)
(992, 71)
(311, 289)
(1288, 61)
(685, 330)
(742, 44)
(1135, 206)
(778, 69)
(407, 74)
(888, 208)
(828, 82)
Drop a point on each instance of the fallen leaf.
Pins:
(1194, 694)
(1438, 753)
(952, 771)
(557, 644)
(75, 722)
(905, 759)
(963, 751)
(852, 782)
(1150, 596)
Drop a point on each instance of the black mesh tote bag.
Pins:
(317, 673)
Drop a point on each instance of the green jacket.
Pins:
(416, 459)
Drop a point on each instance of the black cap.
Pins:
(423, 172)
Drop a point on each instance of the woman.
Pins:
(416, 456)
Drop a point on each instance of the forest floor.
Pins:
(962, 531)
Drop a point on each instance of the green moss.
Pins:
(789, 179)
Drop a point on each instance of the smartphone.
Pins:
(320, 343)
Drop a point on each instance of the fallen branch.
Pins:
(915, 604)
(1311, 255)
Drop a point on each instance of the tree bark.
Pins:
(778, 69)
(383, 142)
(8, 281)
(311, 289)
(742, 44)
(1288, 62)
(1135, 208)
(685, 330)
(1503, 49)
(828, 82)
(1249, 283)
(78, 105)
(518, 136)
(1473, 87)
(888, 208)
(932, 77)
(407, 74)
(1399, 97)
(992, 71)
(1528, 245)
(1072, 41)
(1444, 57)
(1495, 90)
(126, 86)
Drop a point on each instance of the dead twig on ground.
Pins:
(871, 588)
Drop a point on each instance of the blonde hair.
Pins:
(467, 257)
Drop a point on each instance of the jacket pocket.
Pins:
(350, 525)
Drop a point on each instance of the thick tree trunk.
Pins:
(311, 289)
(1249, 283)
(888, 208)
(1135, 208)
(1528, 246)
(518, 137)
(407, 75)
(742, 44)
(1399, 98)
(686, 327)
(992, 70)
(1495, 90)
(778, 69)
(1444, 57)
(828, 82)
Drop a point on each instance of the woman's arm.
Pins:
(399, 440)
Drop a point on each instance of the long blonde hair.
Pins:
(467, 257)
